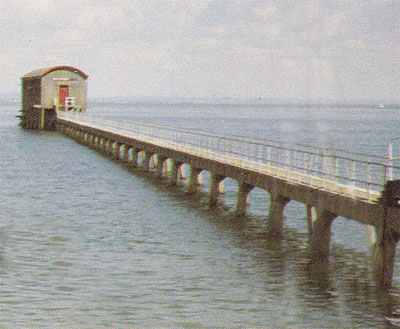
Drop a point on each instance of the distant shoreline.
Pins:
(14, 99)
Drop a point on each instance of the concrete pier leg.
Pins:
(241, 201)
(384, 251)
(167, 166)
(93, 141)
(215, 188)
(147, 160)
(102, 142)
(321, 235)
(175, 165)
(124, 153)
(276, 215)
(194, 179)
(108, 146)
(104, 145)
(116, 150)
(133, 156)
(160, 165)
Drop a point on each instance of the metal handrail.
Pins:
(344, 168)
(390, 156)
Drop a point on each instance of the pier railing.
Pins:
(363, 174)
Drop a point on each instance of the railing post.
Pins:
(352, 175)
(390, 156)
(368, 178)
(334, 167)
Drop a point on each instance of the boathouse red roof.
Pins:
(42, 72)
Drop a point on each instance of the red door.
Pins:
(63, 92)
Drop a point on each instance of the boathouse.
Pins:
(46, 91)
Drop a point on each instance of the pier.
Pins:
(330, 183)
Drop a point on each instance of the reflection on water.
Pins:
(88, 242)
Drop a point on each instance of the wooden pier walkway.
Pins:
(330, 183)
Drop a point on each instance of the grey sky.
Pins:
(307, 49)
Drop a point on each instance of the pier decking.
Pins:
(330, 183)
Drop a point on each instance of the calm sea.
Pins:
(86, 242)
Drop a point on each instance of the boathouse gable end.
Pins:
(60, 84)
(48, 90)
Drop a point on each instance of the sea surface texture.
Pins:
(87, 242)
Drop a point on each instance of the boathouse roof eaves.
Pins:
(42, 72)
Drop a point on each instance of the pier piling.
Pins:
(324, 199)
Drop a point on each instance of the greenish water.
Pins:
(88, 243)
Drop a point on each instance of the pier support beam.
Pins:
(276, 214)
(160, 165)
(194, 179)
(175, 165)
(215, 188)
(320, 235)
(241, 201)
